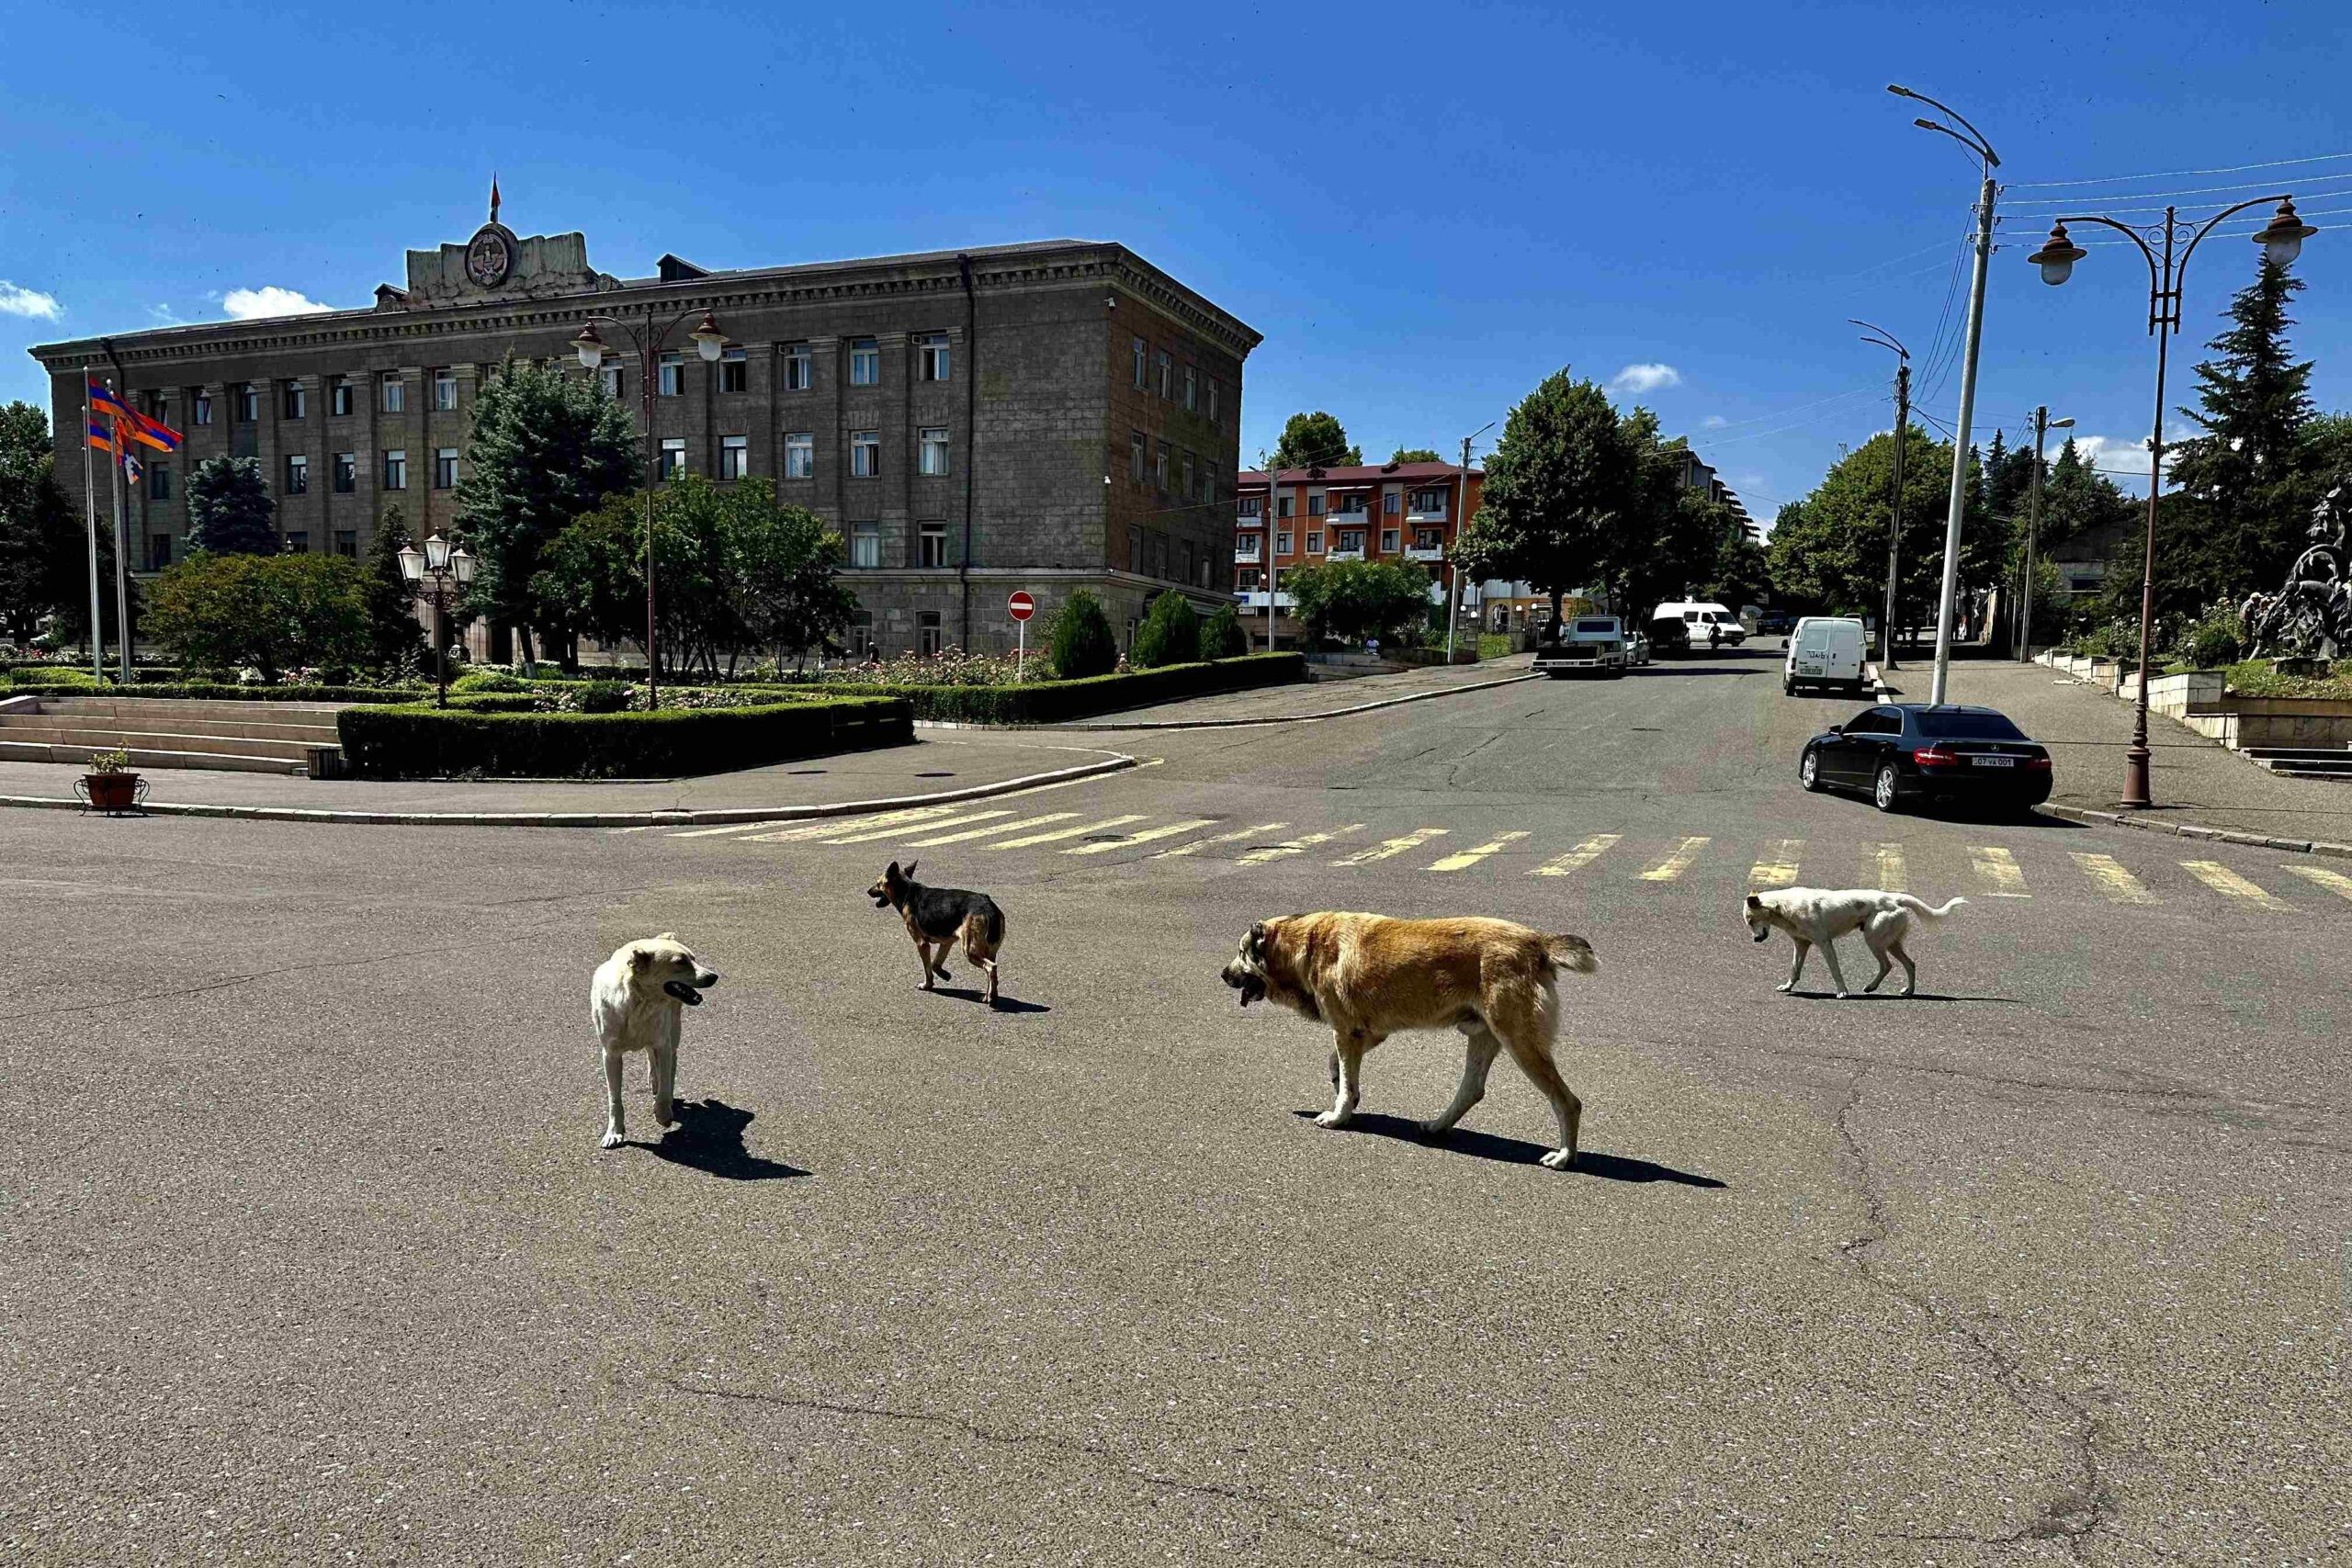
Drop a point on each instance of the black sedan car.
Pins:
(1899, 753)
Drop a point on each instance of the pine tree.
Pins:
(1171, 634)
(1081, 638)
(230, 509)
(395, 641)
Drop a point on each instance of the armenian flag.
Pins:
(101, 438)
(148, 431)
(102, 398)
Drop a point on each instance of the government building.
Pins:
(1049, 416)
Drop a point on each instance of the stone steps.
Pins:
(2303, 761)
(164, 732)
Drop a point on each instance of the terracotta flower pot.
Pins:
(112, 792)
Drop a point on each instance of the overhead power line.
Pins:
(2169, 194)
(2174, 174)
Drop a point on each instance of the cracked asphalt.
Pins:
(309, 1256)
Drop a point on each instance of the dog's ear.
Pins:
(1258, 939)
(911, 870)
(637, 956)
(893, 873)
(666, 936)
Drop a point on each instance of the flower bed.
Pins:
(1060, 702)
(417, 740)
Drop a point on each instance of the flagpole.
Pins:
(90, 516)
(121, 561)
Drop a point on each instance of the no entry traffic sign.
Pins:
(1021, 606)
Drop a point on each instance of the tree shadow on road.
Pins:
(709, 1138)
(1519, 1151)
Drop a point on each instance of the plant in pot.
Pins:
(110, 784)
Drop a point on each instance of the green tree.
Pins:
(1081, 638)
(2077, 499)
(1562, 487)
(546, 449)
(274, 613)
(1352, 600)
(1223, 636)
(43, 561)
(230, 509)
(1417, 454)
(1171, 634)
(395, 641)
(1829, 549)
(1315, 441)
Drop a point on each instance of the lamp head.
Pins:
(709, 339)
(2066, 423)
(461, 561)
(2282, 238)
(2057, 257)
(436, 554)
(590, 347)
(411, 561)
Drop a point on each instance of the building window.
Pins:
(204, 408)
(396, 470)
(395, 393)
(159, 551)
(1215, 391)
(1246, 546)
(1351, 539)
(1251, 506)
(861, 636)
(347, 543)
(248, 403)
(296, 400)
(346, 472)
(928, 634)
(1135, 456)
(673, 375)
(1429, 502)
(935, 545)
(298, 476)
(1192, 476)
(615, 378)
(1282, 541)
(445, 467)
(1283, 506)
(933, 454)
(1315, 543)
(444, 391)
(1159, 467)
(298, 543)
(800, 456)
(339, 397)
(734, 371)
(865, 453)
(1427, 538)
(864, 362)
(1390, 503)
(799, 367)
(674, 457)
(1251, 579)
(1141, 359)
(1315, 503)
(159, 481)
(734, 457)
(866, 544)
(932, 356)
(1388, 541)
(1167, 375)
(1192, 388)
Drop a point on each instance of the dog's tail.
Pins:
(1921, 907)
(1571, 953)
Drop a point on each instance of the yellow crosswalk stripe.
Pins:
(1142, 836)
(1778, 869)
(1388, 849)
(991, 831)
(1884, 868)
(1576, 859)
(2221, 879)
(728, 828)
(1463, 859)
(1997, 869)
(1294, 846)
(2318, 876)
(2107, 874)
(1259, 831)
(1060, 833)
(903, 829)
(912, 816)
(1678, 860)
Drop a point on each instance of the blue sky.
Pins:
(1424, 210)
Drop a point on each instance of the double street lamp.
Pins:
(711, 342)
(2281, 240)
(438, 571)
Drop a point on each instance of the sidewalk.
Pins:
(2196, 783)
(938, 766)
(1329, 699)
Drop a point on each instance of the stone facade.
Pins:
(1040, 447)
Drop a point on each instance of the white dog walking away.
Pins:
(1817, 915)
(636, 1000)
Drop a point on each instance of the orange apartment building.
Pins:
(1308, 517)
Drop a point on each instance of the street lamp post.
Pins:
(1461, 521)
(1887, 340)
(709, 342)
(2281, 240)
(2042, 425)
(437, 571)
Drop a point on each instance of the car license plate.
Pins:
(1808, 668)
(1997, 761)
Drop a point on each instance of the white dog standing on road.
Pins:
(1815, 915)
(636, 1000)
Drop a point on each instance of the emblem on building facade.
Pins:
(490, 257)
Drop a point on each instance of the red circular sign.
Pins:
(1021, 606)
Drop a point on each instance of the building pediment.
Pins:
(497, 265)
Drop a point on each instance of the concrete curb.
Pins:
(2190, 831)
(1115, 761)
(1304, 717)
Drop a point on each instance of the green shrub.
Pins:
(1222, 635)
(1171, 634)
(497, 701)
(1081, 638)
(1062, 701)
(416, 740)
(270, 612)
(228, 691)
(489, 681)
(2213, 642)
(604, 696)
(51, 675)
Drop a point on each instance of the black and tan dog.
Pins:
(937, 916)
(1370, 977)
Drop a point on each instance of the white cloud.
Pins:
(165, 316)
(1714, 422)
(1640, 380)
(31, 302)
(254, 304)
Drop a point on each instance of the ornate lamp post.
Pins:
(2281, 240)
(709, 342)
(438, 571)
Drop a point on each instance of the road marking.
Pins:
(992, 830)
(1677, 861)
(1142, 836)
(1997, 869)
(1463, 860)
(2119, 884)
(1780, 868)
(1294, 846)
(2333, 881)
(1576, 859)
(1887, 863)
(1389, 848)
(1061, 833)
(1259, 831)
(912, 816)
(2221, 879)
(904, 828)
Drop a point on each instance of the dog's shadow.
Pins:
(969, 994)
(1519, 1151)
(1813, 995)
(708, 1137)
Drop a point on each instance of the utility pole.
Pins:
(2042, 425)
(1894, 520)
(1461, 521)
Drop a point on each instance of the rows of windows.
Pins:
(1155, 370)
(1246, 545)
(1170, 469)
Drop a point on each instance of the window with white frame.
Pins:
(866, 544)
(1391, 504)
(673, 375)
(1283, 505)
(674, 457)
(1315, 543)
(865, 453)
(1135, 456)
(1429, 503)
(799, 367)
(1282, 541)
(800, 456)
(929, 636)
(396, 469)
(204, 408)
(932, 356)
(931, 456)
(248, 403)
(1388, 541)
(445, 467)
(1192, 388)
(1427, 538)
(1246, 546)
(1159, 467)
(1348, 505)
(933, 540)
(1315, 503)
(1351, 539)
(339, 397)
(615, 378)
(1216, 389)
(865, 362)
(1167, 373)
(444, 391)
(1142, 358)
(734, 457)
(297, 474)
(1251, 506)
(395, 393)
(297, 400)
(734, 371)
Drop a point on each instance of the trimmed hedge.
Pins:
(416, 740)
(222, 693)
(1060, 702)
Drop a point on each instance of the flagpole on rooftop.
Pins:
(90, 517)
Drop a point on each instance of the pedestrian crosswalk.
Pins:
(1939, 866)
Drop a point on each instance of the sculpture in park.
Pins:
(2311, 615)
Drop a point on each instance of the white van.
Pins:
(1825, 651)
(1699, 618)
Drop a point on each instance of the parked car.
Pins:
(1637, 648)
(1778, 622)
(1899, 753)
(1826, 651)
(1586, 645)
(1667, 639)
(1699, 618)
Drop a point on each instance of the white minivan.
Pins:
(1826, 651)
(1699, 617)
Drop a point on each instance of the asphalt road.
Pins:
(310, 1255)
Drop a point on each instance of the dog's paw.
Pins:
(1433, 1132)
(1845, 996)
(665, 1118)
(1332, 1118)
(1785, 987)
(613, 1139)
(1558, 1159)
